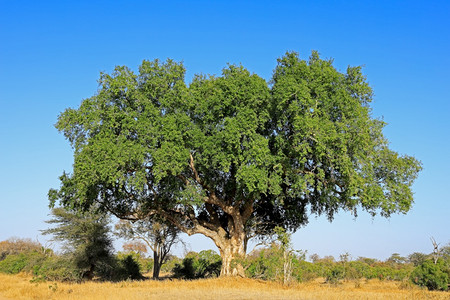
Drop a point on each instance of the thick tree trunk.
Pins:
(156, 265)
(231, 251)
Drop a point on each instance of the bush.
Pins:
(65, 268)
(265, 264)
(169, 265)
(430, 275)
(14, 263)
(303, 270)
(86, 238)
(144, 263)
(199, 265)
(335, 274)
(129, 268)
(41, 266)
(56, 268)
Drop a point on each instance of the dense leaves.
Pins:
(431, 275)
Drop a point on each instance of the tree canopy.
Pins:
(233, 156)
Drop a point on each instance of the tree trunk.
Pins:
(231, 250)
(156, 265)
(89, 274)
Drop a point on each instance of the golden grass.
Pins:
(20, 287)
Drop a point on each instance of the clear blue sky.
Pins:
(51, 53)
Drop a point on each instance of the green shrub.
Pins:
(14, 263)
(431, 275)
(268, 264)
(169, 265)
(22, 262)
(335, 274)
(65, 268)
(198, 265)
(303, 270)
(186, 269)
(265, 264)
(41, 266)
(56, 268)
(209, 264)
(128, 268)
(137, 257)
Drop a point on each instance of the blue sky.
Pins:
(51, 53)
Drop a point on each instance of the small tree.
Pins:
(284, 239)
(314, 257)
(86, 238)
(396, 258)
(157, 234)
(135, 246)
(417, 258)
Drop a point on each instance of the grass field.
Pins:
(20, 287)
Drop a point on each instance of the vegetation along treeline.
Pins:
(276, 261)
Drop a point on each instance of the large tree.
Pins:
(233, 156)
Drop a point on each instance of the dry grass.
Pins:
(20, 287)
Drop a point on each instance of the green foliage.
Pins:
(137, 257)
(42, 266)
(14, 263)
(86, 239)
(170, 264)
(56, 268)
(335, 274)
(267, 264)
(205, 264)
(45, 267)
(273, 264)
(147, 142)
(65, 268)
(417, 258)
(302, 270)
(431, 275)
(129, 268)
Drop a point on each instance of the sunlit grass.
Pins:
(20, 287)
